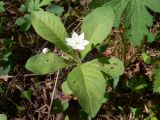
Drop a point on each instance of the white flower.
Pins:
(77, 42)
(45, 50)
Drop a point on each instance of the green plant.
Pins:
(87, 80)
(137, 84)
(156, 82)
(5, 57)
(3, 117)
(55, 9)
(2, 9)
(135, 16)
(28, 8)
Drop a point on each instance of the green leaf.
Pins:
(88, 85)
(119, 7)
(137, 84)
(23, 22)
(154, 118)
(31, 6)
(23, 8)
(45, 2)
(154, 5)
(111, 66)
(57, 106)
(136, 112)
(49, 27)
(97, 3)
(147, 59)
(55, 9)
(3, 117)
(27, 94)
(2, 9)
(20, 21)
(137, 19)
(45, 63)
(114, 68)
(5, 56)
(156, 82)
(35, 5)
(66, 118)
(65, 105)
(96, 26)
(5, 70)
(66, 89)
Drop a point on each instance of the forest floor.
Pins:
(27, 96)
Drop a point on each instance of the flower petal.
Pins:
(74, 47)
(70, 42)
(74, 36)
(85, 42)
(45, 50)
(80, 47)
(81, 37)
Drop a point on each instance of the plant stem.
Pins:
(78, 58)
(53, 94)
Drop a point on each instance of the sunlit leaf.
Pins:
(96, 26)
(45, 63)
(3, 117)
(88, 85)
(49, 27)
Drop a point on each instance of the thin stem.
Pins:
(5, 77)
(53, 94)
(78, 58)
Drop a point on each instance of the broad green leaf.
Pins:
(111, 66)
(88, 85)
(154, 5)
(97, 3)
(114, 68)
(66, 89)
(96, 26)
(49, 27)
(45, 63)
(137, 19)
(3, 117)
(119, 6)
